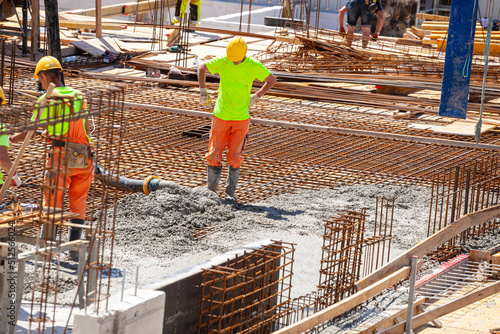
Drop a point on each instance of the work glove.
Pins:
(342, 31)
(205, 99)
(374, 36)
(253, 99)
(15, 181)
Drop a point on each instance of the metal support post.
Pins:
(413, 276)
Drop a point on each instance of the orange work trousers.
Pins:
(227, 133)
(76, 180)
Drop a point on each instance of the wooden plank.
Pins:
(88, 25)
(478, 47)
(440, 311)
(346, 304)
(479, 256)
(425, 16)
(389, 320)
(98, 19)
(495, 260)
(128, 8)
(463, 128)
(97, 46)
(420, 32)
(478, 38)
(431, 243)
(65, 246)
(410, 34)
(35, 28)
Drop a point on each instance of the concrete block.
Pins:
(135, 314)
(93, 323)
(139, 314)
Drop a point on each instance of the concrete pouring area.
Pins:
(361, 206)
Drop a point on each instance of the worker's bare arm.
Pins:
(269, 82)
(20, 137)
(341, 15)
(380, 21)
(5, 162)
(202, 73)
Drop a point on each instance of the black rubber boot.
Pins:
(232, 181)
(75, 233)
(213, 177)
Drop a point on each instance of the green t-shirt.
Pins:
(235, 86)
(4, 141)
(57, 112)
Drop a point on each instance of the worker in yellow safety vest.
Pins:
(231, 117)
(70, 165)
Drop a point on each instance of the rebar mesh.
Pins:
(248, 294)
(104, 112)
(459, 190)
(342, 255)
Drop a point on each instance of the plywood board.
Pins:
(462, 128)
(97, 46)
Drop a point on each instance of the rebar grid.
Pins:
(375, 246)
(325, 51)
(345, 251)
(110, 128)
(341, 258)
(302, 307)
(459, 190)
(105, 113)
(248, 294)
(277, 160)
(362, 112)
(458, 281)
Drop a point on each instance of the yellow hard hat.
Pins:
(236, 49)
(47, 63)
(2, 96)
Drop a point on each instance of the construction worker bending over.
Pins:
(231, 119)
(364, 9)
(5, 162)
(194, 11)
(71, 164)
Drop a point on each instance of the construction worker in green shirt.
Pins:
(231, 118)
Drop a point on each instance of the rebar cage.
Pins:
(50, 155)
(249, 294)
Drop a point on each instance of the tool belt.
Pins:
(75, 155)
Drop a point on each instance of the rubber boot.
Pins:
(75, 233)
(232, 181)
(213, 177)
